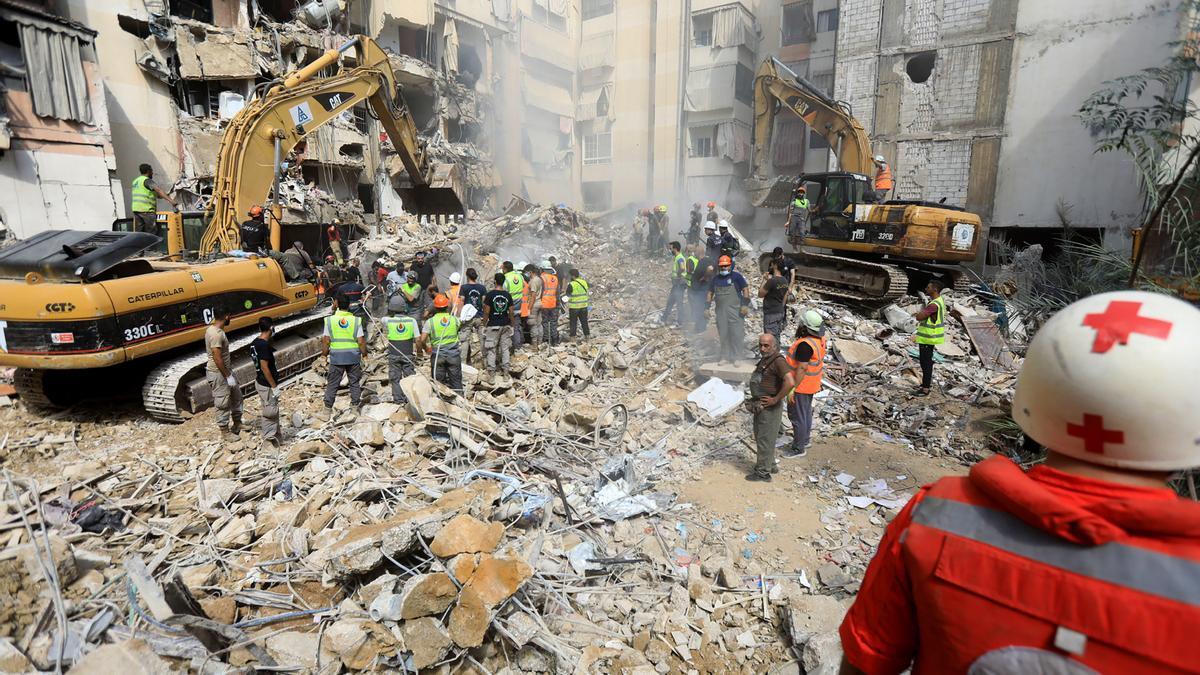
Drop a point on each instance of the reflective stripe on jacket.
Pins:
(932, 329)
(549, 291)
(514, 283)
(443, 330)
(400, 328)
(143, 198)
(883, 178)
(343, 331)
(690, 268)
(577, 294)
(678, 268)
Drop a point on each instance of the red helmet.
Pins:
(255, 211)
(440, 301)
(724, 260)
(712, 205)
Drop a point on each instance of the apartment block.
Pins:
(975, 102)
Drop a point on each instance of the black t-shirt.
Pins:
(776, 290)
(473, 294)
(254, 235)
(261, 350)
(786, 265)
(802, 353)
(424, 274)
(498, 303)
(351, 289)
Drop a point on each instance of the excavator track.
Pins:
(895, 286)
(31, 387)
(176, 389)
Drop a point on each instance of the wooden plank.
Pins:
(989, 344)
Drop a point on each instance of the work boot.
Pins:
(236, 427)
(793, 453)
(758, 478)
(324, 415)
(227, 435)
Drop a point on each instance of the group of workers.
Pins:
(651, 229)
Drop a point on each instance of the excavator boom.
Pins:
(262, 134)
(776, 87)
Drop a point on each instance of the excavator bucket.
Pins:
(443, 196)
(772, 193)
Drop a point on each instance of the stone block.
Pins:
(427, 639)
(465, 534)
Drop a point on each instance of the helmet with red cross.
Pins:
(1112, 380)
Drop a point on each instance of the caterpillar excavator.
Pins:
(81, 309)
(878, 249)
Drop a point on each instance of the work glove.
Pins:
(231, 381)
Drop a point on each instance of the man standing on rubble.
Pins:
(675, 300)
(498, 318)
(1084, 563)
(729, 243)
(693, 233)
(774, 294)
(931, 331)
(786, 265)
(549, 304)
(412, 296)
(266, 380)
(401, 331)
(702, 272)
(531, 305)
(514, 283)
(227, 393)
(333, 234)
(712, 242)
(770, 383)
(579, 304)
(439, 339)
(345, 344)
(728, 290)
(471, 295)
(806, 357)
(712, 216)
(662, 223)
(423, 269)
(144, 195)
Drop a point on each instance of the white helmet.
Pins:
(879, 158)
(545, 264)
(709, 226)
(1111, 380)
(812, 320)
(723, 223)
(455, 278)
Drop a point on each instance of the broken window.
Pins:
(602, 102)
(360, 117)
(597, 196)
(703, 141)
(702, 35)
(281, 11)
(743, 85)
(52, 64)
(597, 148)
(920, 66)
(548, 16)
(827, 20)
(595, 8)
(798, 23)
(416, 42)
(207, 98)
(197, 10)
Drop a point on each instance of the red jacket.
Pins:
(1103, 574)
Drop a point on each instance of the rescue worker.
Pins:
(144, 195)
(549, 305)
(883, 179)
(266, 380)
(578, 304)
(344, 342)
(412, 296)
(931, 331)
(712, 242)
(702, 273)
(514, 283)
(676, 298)
(333, 234)
(452, 293)
(423, 269)
(712, 216)
(690, 263)
(401, 331)
(439, 339)
(531, 305)
(297, 265)
(227, 393)
(1084, 563)
(498, 319)
(806, 356)
(639, 229)
(694, 218)
(470, 316)
(770, 383)
(662, 223)
(729, 243)
(774, 294)
(728, 289)
(798, 213)
(254, 231)
(786, 265)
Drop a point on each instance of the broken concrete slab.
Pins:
(12, 660)
(736, 373)
(131, 657)
(427, 639)
(294, 648)
(464, 534)
(470, 619)
(857, 353)
(426, 595)
(497, 579)
(822, 654)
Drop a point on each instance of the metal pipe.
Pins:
(313, 68)
(276, 211)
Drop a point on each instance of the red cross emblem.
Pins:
(1093, 433)
(1120, 320)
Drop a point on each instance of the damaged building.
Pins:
(57, 163)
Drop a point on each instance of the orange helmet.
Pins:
(440, 301)
(255, 211)
(712, 205)
(724, 260)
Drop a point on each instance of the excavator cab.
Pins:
(834, 200)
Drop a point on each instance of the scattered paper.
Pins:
(716, 397)
(844, 478)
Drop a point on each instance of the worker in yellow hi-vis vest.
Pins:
(144, 195)
(931, 331)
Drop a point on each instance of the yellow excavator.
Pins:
(80, 310)
(879, 249)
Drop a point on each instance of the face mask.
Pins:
(725, 273)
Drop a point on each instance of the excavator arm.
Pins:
(777, 87)
(261, 135)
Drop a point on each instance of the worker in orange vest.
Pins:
(806, 356)
(883, 179)
(1087, 562)
(549, 305)
(531, 305)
